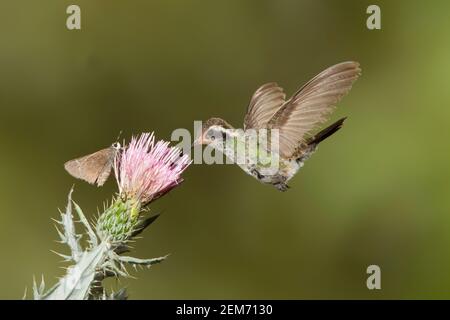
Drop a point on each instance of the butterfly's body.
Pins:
(291, 119)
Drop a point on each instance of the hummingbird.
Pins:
(294, 120)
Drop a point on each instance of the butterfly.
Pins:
(94, 168)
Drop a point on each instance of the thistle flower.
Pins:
(146, 170)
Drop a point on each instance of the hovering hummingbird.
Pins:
(294, 120)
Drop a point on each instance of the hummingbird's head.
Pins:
(212, 129)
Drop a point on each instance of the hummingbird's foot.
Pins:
(281, 186)
(256, 174)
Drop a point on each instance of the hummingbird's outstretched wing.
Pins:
(311, 105)
(263, 105)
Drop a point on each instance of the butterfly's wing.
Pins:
(94, 168)
(104, 174)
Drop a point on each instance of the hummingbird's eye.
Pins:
(210, 135)
(214, 134)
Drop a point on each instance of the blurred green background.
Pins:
(378, 192)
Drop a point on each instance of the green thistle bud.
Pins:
(119, 221)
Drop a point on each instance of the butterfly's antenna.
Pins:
(118, 136)
(120, 146)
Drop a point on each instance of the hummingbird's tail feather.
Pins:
(325, 133)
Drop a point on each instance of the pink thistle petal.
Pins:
(146, 170)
